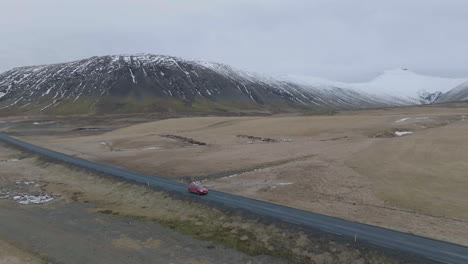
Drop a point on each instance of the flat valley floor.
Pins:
(400, 168)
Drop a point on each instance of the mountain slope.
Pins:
(459, 93)
(415, 87)
(149, 83)
(401, 85)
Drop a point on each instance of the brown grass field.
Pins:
(350, 165)
(121, 213)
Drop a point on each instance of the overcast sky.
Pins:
(342, 40)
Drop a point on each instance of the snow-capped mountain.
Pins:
(409, 85)
(401, 85)
(157, 83)
(459, 93)
(146, 83)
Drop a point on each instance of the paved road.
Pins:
(440, 251)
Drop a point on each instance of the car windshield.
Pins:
(200, 187)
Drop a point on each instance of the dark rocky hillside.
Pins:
(155, 83)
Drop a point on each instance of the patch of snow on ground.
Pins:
(10, 160)
(284, 183)
(33, 199)
(24, 198)
(230, 176)
(150, 148)
(419, 118)
(36, 123)
(402, 133)
(25, 182)
(2, 94)
(403, 120)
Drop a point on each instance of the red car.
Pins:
(197, 188)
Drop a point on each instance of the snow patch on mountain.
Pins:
(313, 81)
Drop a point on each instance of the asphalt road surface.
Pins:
(435, 250)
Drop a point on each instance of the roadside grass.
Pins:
(19, 155)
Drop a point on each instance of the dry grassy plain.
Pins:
(350, 165)
(119, 213)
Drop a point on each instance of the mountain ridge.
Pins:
(161, 83)
(146, 83)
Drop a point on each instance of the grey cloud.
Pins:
(343, 40)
